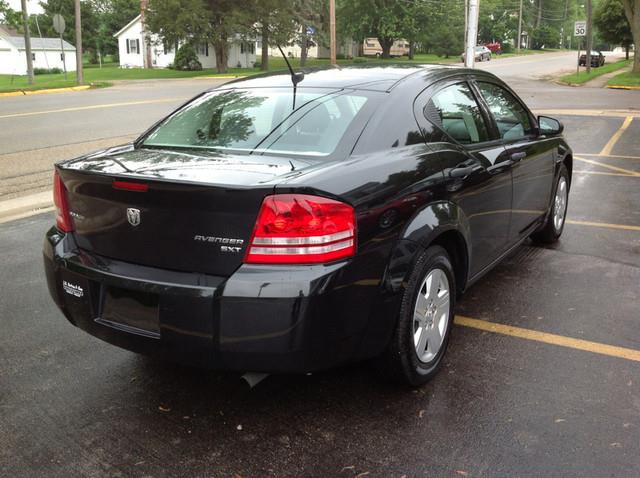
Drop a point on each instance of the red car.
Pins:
(495, 47)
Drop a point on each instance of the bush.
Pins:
(359, 59)
(340, 56)
(187, 59)
(257, 64)
(507, 47)
(46, 71)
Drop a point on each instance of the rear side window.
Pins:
(454, 110)
(263, 120)
(512, 119)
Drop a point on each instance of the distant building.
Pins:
(242, 53)
(45, 53)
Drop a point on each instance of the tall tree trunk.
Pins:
(411, 50)
(264, 62)
(304, 45)
(626, 52)
(386, 44)
(632, 11)
(221, 47)
(539, 17)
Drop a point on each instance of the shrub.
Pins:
(257, 64)
(359, 59)
(187, 59)
(507, 47)
(46, 71)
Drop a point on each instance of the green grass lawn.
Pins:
(111, 72)
(583, 77)
(625, 79)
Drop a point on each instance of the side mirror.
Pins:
(549, 126)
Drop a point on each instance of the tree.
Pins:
(9, 16)
(632, 10)
(276, 25)
(66, 8)
(384, 19)
(112, 15)
(197, 21)
(612, 24)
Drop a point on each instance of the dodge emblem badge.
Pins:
(133, 216)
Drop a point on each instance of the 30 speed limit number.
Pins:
(580, 29)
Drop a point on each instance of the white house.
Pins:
(242, 53)
(45, 53)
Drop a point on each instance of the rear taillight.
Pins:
(63, 218)
(302, 229)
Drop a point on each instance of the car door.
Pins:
(476, 167)
(533, 156)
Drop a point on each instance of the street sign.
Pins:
(58, 23)
(580, 28)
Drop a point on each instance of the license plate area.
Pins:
(131, 311)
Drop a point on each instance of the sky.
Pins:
(33, 6)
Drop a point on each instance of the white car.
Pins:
(482, 53)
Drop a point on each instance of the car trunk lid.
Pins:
(184, 211)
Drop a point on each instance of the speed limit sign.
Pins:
(580, 29)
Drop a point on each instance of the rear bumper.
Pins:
(262, 318)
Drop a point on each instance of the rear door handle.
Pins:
(463, 172)
(515, 157)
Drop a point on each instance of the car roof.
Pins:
(366, 77)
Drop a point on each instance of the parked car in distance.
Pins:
(372, 47)
(494, 47)
(597, 59)
(266, 228)
(482, 54)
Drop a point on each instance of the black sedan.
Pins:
(267, 227)
(597, 59)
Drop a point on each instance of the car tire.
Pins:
(414, 354)
(552, 229)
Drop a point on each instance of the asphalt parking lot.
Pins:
(542, 377)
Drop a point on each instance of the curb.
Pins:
(25, 206)
(622, 87)
(45, 91)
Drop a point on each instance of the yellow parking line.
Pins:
(625, 175)
(616, 156)
(552, 339)
(618, 134)
(624, 227)
(93, 107)
(607, 166)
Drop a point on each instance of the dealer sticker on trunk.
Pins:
(72, 289)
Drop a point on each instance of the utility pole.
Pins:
(79, 72)
(27, 41)
(520, 27)
(332, 30)
(466, 23)
(589, 35)
(472, 34)
(146, 55)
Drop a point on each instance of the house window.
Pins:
(167, 48)
(133, 46)
(203, 49)
(247, 47)
(33, 56)
(61, 56)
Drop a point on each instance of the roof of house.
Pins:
(38, 43)
(117, 34)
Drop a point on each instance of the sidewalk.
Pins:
(24, 206)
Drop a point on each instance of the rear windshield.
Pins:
(262, 120)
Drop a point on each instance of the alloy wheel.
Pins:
(431, 315)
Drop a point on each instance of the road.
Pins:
(36, 131)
